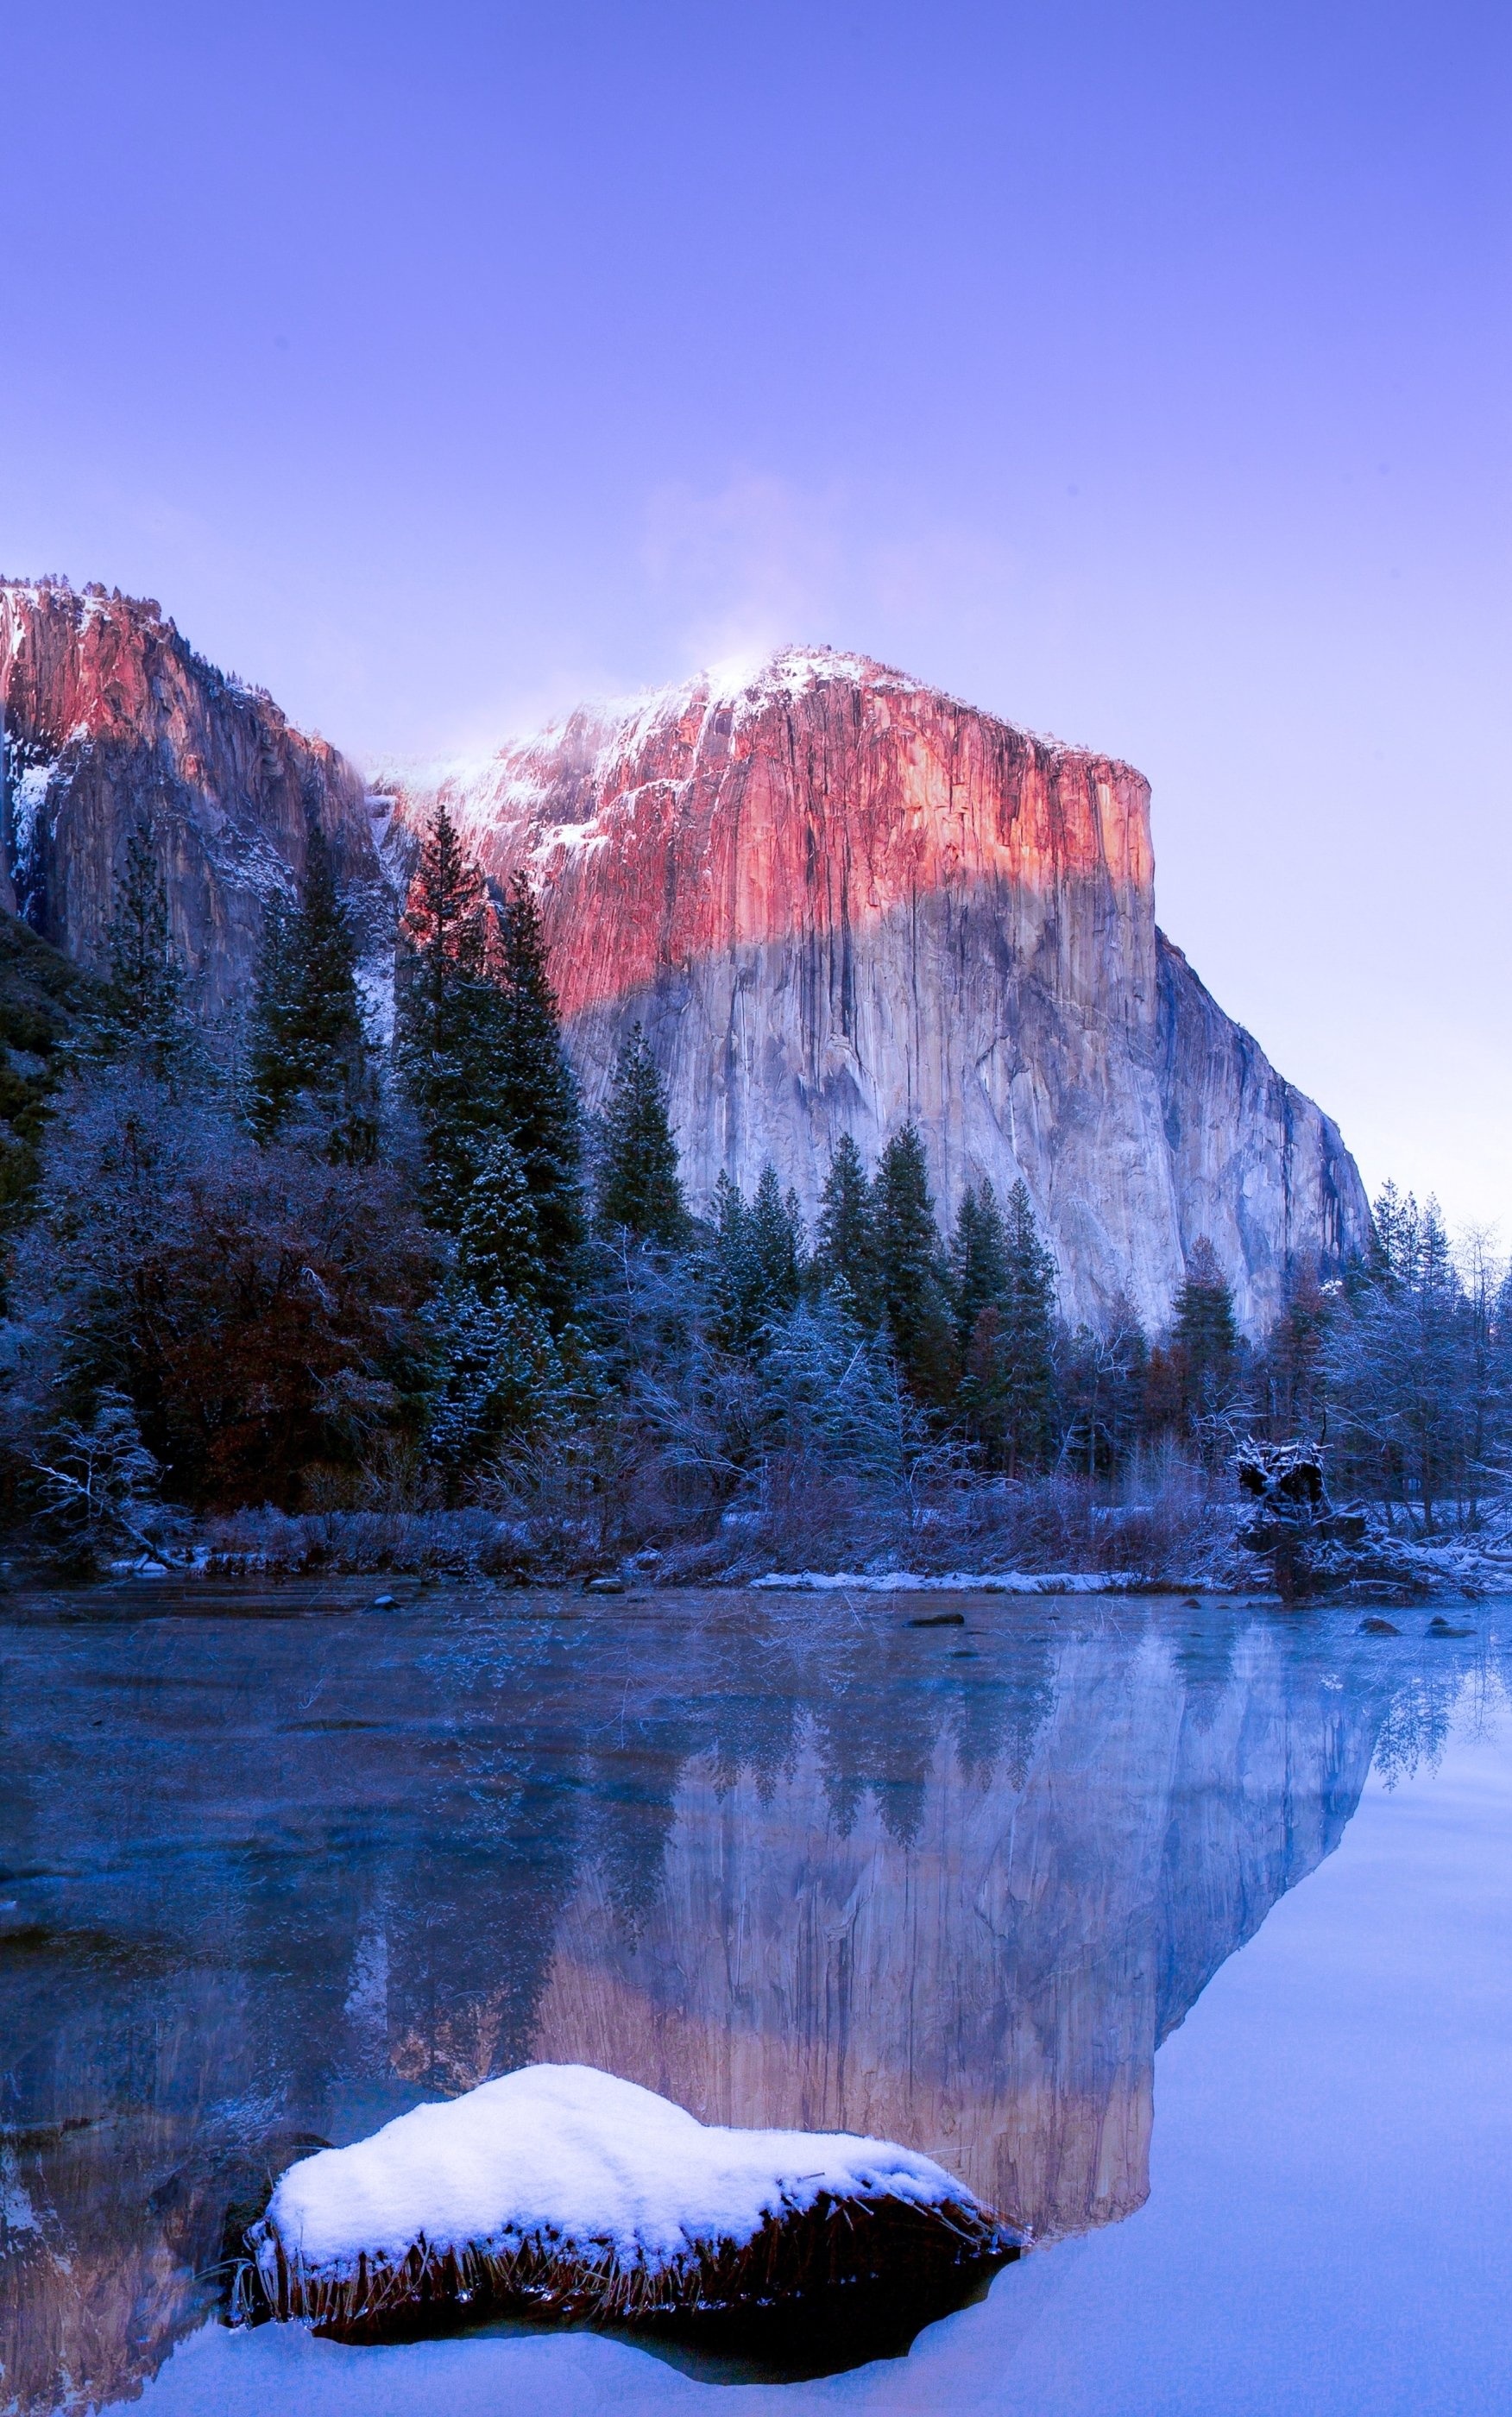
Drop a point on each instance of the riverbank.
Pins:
(1043, 1536)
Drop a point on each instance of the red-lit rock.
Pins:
(112, 722)
(837, 899)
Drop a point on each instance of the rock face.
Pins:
(837, 899)
(112, 723)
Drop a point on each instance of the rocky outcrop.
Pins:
(112, 724)
(837, 899)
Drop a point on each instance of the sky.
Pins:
(1141, 372)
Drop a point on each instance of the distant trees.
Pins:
(912, 1283)
(1003, 1288)
(480, 1056)
(143, 1014)
(1416, 1364)
(309, 1063)
(755, 1257)
(1200, 1377)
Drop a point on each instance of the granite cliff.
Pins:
(112, 723)
(837, 899)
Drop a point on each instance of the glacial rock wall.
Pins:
(836, 899)
(112, 723)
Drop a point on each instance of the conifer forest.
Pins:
(284, 1288)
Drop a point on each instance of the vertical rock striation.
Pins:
(112, 722)
(837, 899)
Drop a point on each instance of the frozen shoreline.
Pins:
(953, 1582)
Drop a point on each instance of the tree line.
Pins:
(279, 1261)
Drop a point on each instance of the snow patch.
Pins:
(28, 806)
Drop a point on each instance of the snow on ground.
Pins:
(955, 1582)
(564, 2153)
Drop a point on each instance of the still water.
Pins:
(275, 1866)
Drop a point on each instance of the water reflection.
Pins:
(269, 1877)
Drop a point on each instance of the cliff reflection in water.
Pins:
(268, 1876)
(985, 1969)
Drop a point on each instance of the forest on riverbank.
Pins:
(279, 1288)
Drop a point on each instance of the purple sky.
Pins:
(1141, 373)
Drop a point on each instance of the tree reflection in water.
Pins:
(274, 1871)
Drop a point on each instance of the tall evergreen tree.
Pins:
(1406, 1364)
(978, 1260)
(482, 1053)
(639, 1188)
(496, 1372)
(310, 1058)
(778, 1242)
(498, 1244)
(1394, 1238)
(451, 1020)
(756, 1260)
(845, 1242)
(1007, 1382)
(497, 1375)
(909, 1270)
(1205, 1350)
(539, 1104)
(145, 1013)
(1028, 1334)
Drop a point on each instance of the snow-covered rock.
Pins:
(561, 2187)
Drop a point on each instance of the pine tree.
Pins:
(309, 1047)
(845, 1244)
(756, 1255)
(639, 1190)
(1394, 1238)
(1028, 1335)
(911, 1280)
(1205, 1349)
(539, 1105)
(451, 1020)
(734, 1276)
(978, 1260)
(496, 1374)
(145, 1014)
(777, 1237)
(498, 1245)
